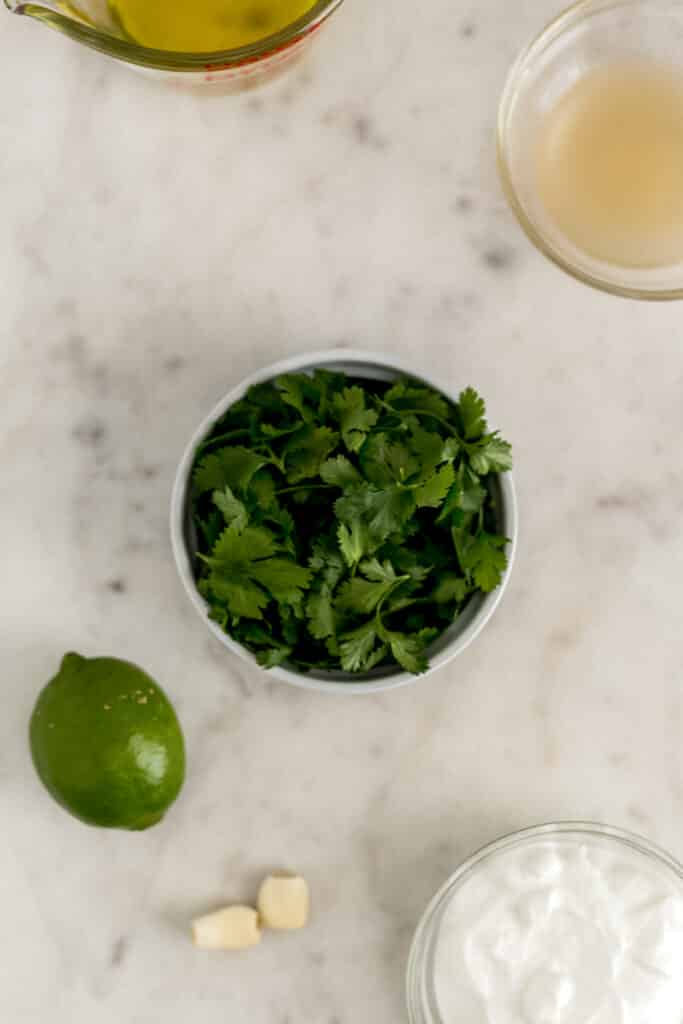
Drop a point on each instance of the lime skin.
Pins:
(107, 744)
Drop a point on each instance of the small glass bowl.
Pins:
(421, 996)
(590, 34)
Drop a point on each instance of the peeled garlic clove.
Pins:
(231, 928)
(283, 902)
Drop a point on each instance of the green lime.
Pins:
(106, 743)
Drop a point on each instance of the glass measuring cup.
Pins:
(92, 24)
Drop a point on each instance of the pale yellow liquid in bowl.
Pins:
(609, 165)
(192, 26)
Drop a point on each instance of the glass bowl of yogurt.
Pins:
(566, 923)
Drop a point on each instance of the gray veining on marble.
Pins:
(158, 246)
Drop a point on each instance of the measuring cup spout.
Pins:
(90, 23)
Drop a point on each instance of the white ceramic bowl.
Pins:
(454, 640)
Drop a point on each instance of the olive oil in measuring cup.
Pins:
(609, 164)
(187, 26)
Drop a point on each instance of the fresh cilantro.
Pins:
(492, 455)
(450, 588)
(408, 649)
(355, 421)
(363, 596)
(356, 648)
(342, 524)
(244, 573)
(406, 397)
(273, 656)
(321, 615)
(294, 390)
(380, 511)
(354, 541)
(340, 473)
(482, 556)
(234, 512)
(472, 414)
(230, 467)
(433, 491)
(306, 451)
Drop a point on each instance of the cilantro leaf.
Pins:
(340, 473)
(465, 496)
(360, 596)
(451, 449)
(432, 492)
(355, 421)
(234, 511)
(428, 451)
(271, 657)
(450, 588)
(472, 413)
(382, 510)
(409, 652)
(306, 451)
(483, 557)
(322, 618)
(284, 523)
(353, 541)
(387, 511)
(408, 648)
(382, 572)
(413, 563)
(293, 390)
(229, 467)
(405, 396)
(237, 547)
(211, 527)
(284, 579)
(356, 648)
(242, 598)
(243, 572)
(415, 457)
(402, 463)
(262, 488)
(492, 455)
(328, 384)
(374, 458)
(326, 562)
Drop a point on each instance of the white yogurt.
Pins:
(573, 929)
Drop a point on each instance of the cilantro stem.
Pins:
(325, 666)
(379, 625)
(306, 487)
(424, 412)
(409, 603)
(230, 436)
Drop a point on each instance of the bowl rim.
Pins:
(423, 933)
(296, 364)
(575, 12)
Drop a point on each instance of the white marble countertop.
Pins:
(157, 247)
